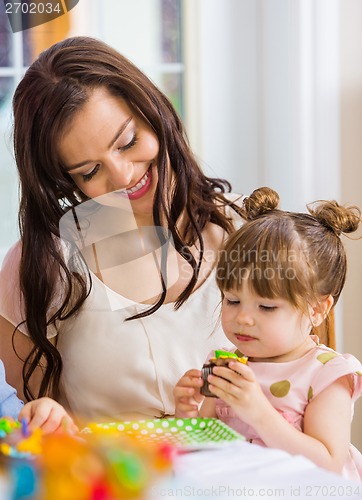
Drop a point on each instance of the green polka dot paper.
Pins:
(180, 432)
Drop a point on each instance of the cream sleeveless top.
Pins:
(119, 370)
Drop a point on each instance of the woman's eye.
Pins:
(90, 175)
(129, 145)
(267, 308)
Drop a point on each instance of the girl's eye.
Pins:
(230, 302)
(88, 177)
(131, 143)
(267, 308)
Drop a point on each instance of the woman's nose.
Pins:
(120, 173)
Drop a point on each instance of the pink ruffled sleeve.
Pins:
(11, 303)
(335, 366)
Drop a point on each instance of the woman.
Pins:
(113, 278)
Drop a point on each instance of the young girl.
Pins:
(280, 275)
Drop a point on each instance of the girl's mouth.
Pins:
(244, 338)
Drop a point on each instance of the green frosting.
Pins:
(225, 354)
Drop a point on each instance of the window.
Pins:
(17, 50)
(148, 32)
(13, 52)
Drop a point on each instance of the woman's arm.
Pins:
(327, 421)
(13, 365)
(10, 404)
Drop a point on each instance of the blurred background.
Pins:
(270, 92)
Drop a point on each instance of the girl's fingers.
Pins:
(188, 387)
(230, 394)
(193, 373)
(193, 398)
(180, 392)
(218, 383)
(187, 411)
(243, 370)
(187, 407)
(190, 382)
(189, 377)
(238, 375)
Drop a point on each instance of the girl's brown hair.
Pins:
(295, 256)
(53, 90)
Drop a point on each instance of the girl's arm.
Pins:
(327, 429)
(14, 365)
(327, 419)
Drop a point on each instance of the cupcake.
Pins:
(222, 358)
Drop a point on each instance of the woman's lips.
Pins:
(140, 188)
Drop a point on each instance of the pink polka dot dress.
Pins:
(290, 386)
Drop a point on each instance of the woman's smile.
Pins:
(139, 189)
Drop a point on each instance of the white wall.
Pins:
(351, 185)
(262, 89)
(221, 88)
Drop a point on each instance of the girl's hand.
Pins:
(187, 395)
(48, 415)
(239, 388)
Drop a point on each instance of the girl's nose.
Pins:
(120, 173)
(245, 318)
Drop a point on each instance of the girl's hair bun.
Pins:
(260, 201)
(335, 217)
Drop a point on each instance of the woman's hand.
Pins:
(237, 386)
(187, 394)
(48, 415)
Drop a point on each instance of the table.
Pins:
(244, 470)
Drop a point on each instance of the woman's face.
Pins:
(109, 150)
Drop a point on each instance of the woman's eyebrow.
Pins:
(78, 165)
(118, 134)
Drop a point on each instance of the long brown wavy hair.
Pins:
(53, 90)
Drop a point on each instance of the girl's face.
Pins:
(109, 150)
(265, 329)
